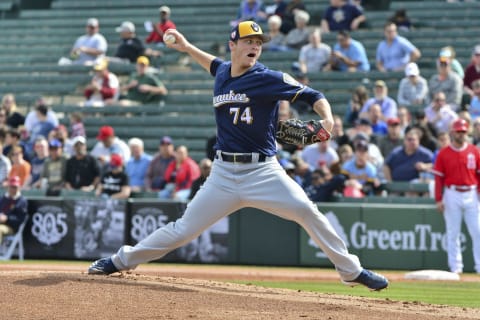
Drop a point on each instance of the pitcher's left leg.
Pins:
(277, 193)
(215, 200)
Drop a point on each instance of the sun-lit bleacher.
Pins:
(34, 40)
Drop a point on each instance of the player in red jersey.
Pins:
(457, 176)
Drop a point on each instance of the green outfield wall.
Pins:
(384, 236)
(388, 236)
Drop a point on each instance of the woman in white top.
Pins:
(413, 89)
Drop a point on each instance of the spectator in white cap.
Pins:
(137, 166)
(82, 171)
(413, 89)
(131, 47)
(89, 47)
(157, 30)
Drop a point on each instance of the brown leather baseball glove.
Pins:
(299, 132)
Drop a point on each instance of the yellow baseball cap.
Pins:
(247, 29)
(143, 60)
(100, 65)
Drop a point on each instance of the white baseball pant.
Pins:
(230, 187)
(457, 205)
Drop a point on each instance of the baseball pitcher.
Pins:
(246, 172)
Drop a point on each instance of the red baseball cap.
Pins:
(14, 181)
(393, 121)
(460, 125)
(116, 161)
(105, 132)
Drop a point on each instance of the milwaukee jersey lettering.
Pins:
(246, 107)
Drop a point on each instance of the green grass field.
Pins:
(462, 294)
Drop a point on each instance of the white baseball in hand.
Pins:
(169, 38)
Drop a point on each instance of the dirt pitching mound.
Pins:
(69, 293)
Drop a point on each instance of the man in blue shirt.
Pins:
(40, 155)
(387, 104)
(359, 167)
(341, 16)
(375, 120)
(405, 162)
(41, 129)
(137, 165)
(349, 54)
(395, 52)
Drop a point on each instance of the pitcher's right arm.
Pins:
(181, 44)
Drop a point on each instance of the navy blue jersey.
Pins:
(246, 107)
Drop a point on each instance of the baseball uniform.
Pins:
(456, 180)
(245, 172)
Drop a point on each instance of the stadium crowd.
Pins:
(381, 138)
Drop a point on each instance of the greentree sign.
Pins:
(388, 236)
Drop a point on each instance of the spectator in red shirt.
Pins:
(20, 167)
(180, 175)
(472, 72)
(156, 36)
(103, 88)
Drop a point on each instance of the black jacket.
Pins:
(324, 192)
(14, 120)
(15, 209)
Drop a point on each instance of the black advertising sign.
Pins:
(147, 216)
(50, 230)
(93, 228)
(99, 226)
(210, 247)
